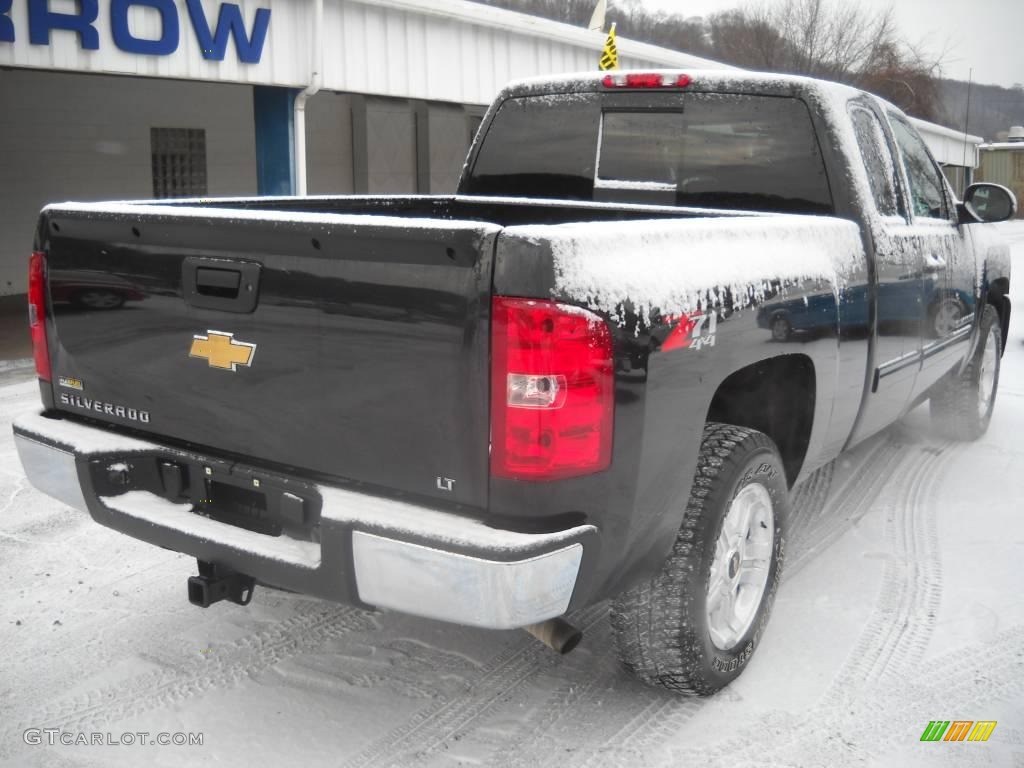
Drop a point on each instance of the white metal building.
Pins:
(115, 99)
(957, 152)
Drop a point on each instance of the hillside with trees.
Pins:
(993, 108)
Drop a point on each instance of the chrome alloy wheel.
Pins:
(739, 571)
(987, 374)
(947, 316)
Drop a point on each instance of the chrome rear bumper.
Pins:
(371, 550)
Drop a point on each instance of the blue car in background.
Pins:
(898, 311)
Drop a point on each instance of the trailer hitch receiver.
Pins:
(215, 583)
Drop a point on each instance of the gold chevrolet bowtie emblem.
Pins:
(221, 350)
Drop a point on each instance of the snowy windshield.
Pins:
(731, 151)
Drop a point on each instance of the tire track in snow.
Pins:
(904, 615)
(574, 711)
(233, 663)
(401, 666)
(842, 509)
(427, 732)
(809, 497)
(106, 630)
(630, 744)
(967, 679)
(893, 640)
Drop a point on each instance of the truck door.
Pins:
(891, 314)
(948, 272)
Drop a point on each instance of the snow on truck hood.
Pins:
(670, 266)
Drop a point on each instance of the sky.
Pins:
(987, 35)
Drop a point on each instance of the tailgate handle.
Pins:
(218, 282)
(224, 284)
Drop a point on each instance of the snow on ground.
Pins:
(901, 605)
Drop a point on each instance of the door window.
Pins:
(878, 161)
(927, 199)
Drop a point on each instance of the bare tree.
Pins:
(832, 39)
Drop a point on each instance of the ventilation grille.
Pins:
(179, 162)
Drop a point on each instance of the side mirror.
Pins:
(987, 203)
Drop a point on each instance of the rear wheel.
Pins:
(961, 406)
(782, 329)
(693, 627)
(98, 299)
(945, 316)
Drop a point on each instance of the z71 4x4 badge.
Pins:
(695, 330)
(220, 350)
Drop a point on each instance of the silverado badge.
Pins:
(220, 350)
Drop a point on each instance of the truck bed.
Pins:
(368, 318)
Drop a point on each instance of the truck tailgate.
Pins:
(353, 347)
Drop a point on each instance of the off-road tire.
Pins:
(661, 625)
(955, 409)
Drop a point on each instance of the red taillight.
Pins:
(37, 313)
(646, 80)
(552, 390)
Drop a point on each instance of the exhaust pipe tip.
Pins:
(557, 634)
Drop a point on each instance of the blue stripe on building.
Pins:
(273, 110)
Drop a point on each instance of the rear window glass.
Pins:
(539, 147)
(730, 151)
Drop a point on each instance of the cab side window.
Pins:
(878, 161)
(926, 193)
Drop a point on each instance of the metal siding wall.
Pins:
(468, 77)
(343, 71)
(329, 144)
(418, 53)
(75, 137)
(999, 167)
(449, 143)
(391, 146)
(543, 55)
(995, 166)
(397, 63)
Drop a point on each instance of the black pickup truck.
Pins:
(658, 301)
